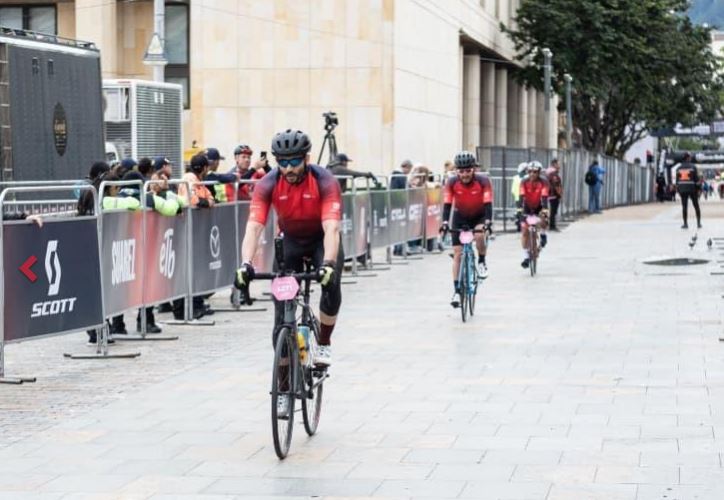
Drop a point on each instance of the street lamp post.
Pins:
(569, 111)
(547, 56)
(156, 51)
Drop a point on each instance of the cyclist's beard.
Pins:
(293, 177)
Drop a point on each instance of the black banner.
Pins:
(52, 278)
(398, 216)
(214, 248)
(380, 230)
(121, 255)
(346, 233)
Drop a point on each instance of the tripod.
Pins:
(328, 138)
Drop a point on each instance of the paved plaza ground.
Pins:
(600, 378)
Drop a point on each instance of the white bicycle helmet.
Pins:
(535, 165)
(522, 168)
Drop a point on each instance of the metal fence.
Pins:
(624, 183)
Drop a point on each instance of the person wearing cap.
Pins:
(338, 167)
(126, 165)
(399, 177)
(161, 172)
(221, 195)
(214, 157)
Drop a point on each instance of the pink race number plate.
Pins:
(284, 288)
(466, 237)
(532, 220)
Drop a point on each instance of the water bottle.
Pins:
(302, 344)
(303, 330)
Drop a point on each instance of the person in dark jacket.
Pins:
(338, 167)
(688, 184)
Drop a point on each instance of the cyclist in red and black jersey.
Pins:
(471, 194)
(534, 192)
(308, 204)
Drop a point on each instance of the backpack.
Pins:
(590, 178)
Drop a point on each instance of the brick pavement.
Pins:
(600, 378)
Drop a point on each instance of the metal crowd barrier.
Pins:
(134, 259)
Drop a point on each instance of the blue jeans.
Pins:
(594, 198)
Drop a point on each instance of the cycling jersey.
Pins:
(534, 194)
(472, 200)
(301, 208)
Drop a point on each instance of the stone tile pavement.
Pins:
(601, 378)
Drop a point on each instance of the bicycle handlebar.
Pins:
(299, 276)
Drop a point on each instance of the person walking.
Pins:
(687, 185)
(556, 192)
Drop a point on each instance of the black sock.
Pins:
(481, 259)
(456, 284)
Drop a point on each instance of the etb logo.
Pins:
(167, 258)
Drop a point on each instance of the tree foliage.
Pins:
(636, 65)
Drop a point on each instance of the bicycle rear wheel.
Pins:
(284, 376)
(312, 396)
(464, 287)
(473, 287)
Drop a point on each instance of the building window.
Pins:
(177, 46)
(40, 18)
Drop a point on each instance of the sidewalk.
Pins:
(602, 377)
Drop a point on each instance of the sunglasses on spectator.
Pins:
(290, 162)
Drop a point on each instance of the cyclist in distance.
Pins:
(534, 201)
(308, 204)
(472, 195)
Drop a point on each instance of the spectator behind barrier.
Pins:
(199, 196)
(162, 172)
(338, 167)
(242, 167)
(419, 176)
(95, 175)
(221, 195)
(399, 177)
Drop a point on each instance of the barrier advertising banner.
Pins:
(166, 260)
(433, 215)
(361, 211)
(121, 256)
(52, 278)
(415, 211)
(380, 229)
(346, 225)
(398, 216)
(214, 248)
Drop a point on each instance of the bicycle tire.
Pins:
(312, 407)
(532, 240)
(474, 282)
(464, 287)
(282, 428)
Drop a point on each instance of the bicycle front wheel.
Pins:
(284, 376)
(464, 277)
(473, 287)
(533, 250)
(313, 391)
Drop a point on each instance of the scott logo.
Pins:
(167, 258)
(52, 268)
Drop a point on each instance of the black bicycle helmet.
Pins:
(465, 159)
(291, 143)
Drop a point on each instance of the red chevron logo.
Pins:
(25, 268)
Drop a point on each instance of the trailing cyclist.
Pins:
(534, 192)
(472, 195)
(688, 184)
(522, 171)
(308, 204)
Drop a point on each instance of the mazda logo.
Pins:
(215, 242)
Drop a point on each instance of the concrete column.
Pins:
(487, 115)
(501, 106)
(532, 117)
(513, 112)
(523, 116)
(471, 102)
(96, 21)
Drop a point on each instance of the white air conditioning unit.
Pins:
(144, 118)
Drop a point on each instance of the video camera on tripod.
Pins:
(330, 123)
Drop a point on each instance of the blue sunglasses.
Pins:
(293, 162)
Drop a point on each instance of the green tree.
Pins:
(636, 64)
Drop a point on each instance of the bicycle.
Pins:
(468, 273)
(294, 376)
(532, 222)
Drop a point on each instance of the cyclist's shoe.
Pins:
(685, 226)
(482, 271)
(323, 355)
(525, 264)
(282, 406)
(543, 240)
(698, 225)
(455, 301)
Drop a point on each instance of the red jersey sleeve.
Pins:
(545, 190)
(261, 198)
(331, 196)
(523, 188)
(487, 189)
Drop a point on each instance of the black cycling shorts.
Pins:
(532, 211)
(294, 255)
(460, 222)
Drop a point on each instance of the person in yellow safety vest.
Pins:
(515, 191)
